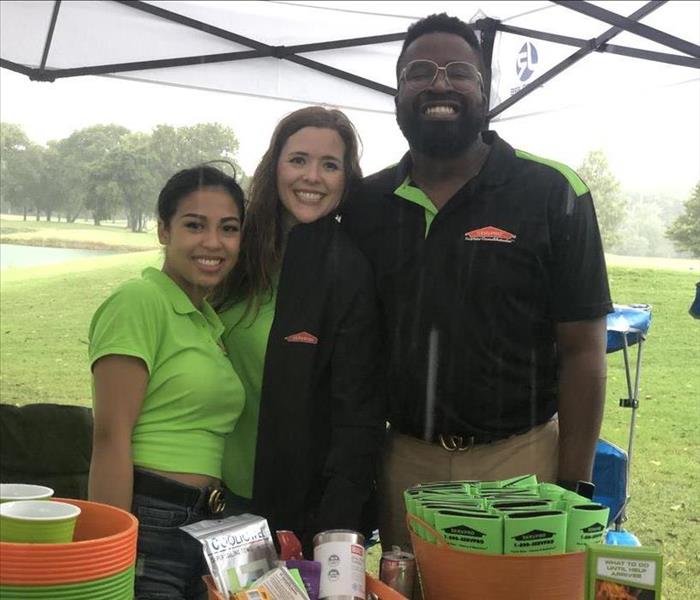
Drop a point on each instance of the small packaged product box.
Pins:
(633, 572)
(277, 584)
(238, 550)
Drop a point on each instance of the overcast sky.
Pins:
(649, 131)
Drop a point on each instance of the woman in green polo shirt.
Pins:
(303, 334)
(164, 392)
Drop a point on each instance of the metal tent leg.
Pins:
(632, 401)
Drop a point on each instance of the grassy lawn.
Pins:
(74, 235)
(665, 479)
(43, 358)
(46, 313)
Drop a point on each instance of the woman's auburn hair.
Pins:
(262, 243)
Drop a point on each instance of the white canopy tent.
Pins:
(344, 53)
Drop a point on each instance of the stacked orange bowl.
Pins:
(97, 565)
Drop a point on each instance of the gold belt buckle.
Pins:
(455, 443)
(216, 502)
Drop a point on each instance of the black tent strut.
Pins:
(592, 45)
(632, 25)
(487, 27)
(49, 35)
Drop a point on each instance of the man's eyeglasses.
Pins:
(421, 74)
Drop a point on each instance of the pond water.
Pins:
(13, 256)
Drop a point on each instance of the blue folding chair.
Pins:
(627, 326)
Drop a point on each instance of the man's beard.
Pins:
(438, 138)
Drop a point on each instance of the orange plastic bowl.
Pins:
(68, 572)
(104, 545)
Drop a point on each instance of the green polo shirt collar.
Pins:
(417, 196)
(181, 302)
(493, 173)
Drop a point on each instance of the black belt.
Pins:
(461, 442)
(149, 484)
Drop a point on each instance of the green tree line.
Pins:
(107, 171)
(641, 223)
(685, 230)
(104, 171)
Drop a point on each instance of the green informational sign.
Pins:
(624, 572)
(542, 532)
(474, 531)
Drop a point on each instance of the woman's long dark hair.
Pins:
(262, 243)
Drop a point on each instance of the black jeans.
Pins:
(170, 563)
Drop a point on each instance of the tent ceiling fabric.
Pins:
(578, 50)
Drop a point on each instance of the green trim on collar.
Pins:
(571, 176)
(417, 196)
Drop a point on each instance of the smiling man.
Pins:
(492, 280)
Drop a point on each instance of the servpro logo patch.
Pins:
(303, 337)
(489, 234)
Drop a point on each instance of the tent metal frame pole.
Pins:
(328, 70)
(663, 57)
(632, 401)
(17, 68)
(49, 35)
(632, 25)
(281, 52)
(52, 75)
(345, 43)
(276, 51)
(592, 45)
(193, 23)
(486, 26)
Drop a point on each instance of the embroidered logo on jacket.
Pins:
(303, 337)
(489, 234)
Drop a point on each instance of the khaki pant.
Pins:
(408, 461)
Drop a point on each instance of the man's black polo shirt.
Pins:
(470, 300)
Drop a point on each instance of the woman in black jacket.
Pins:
(302, 332)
